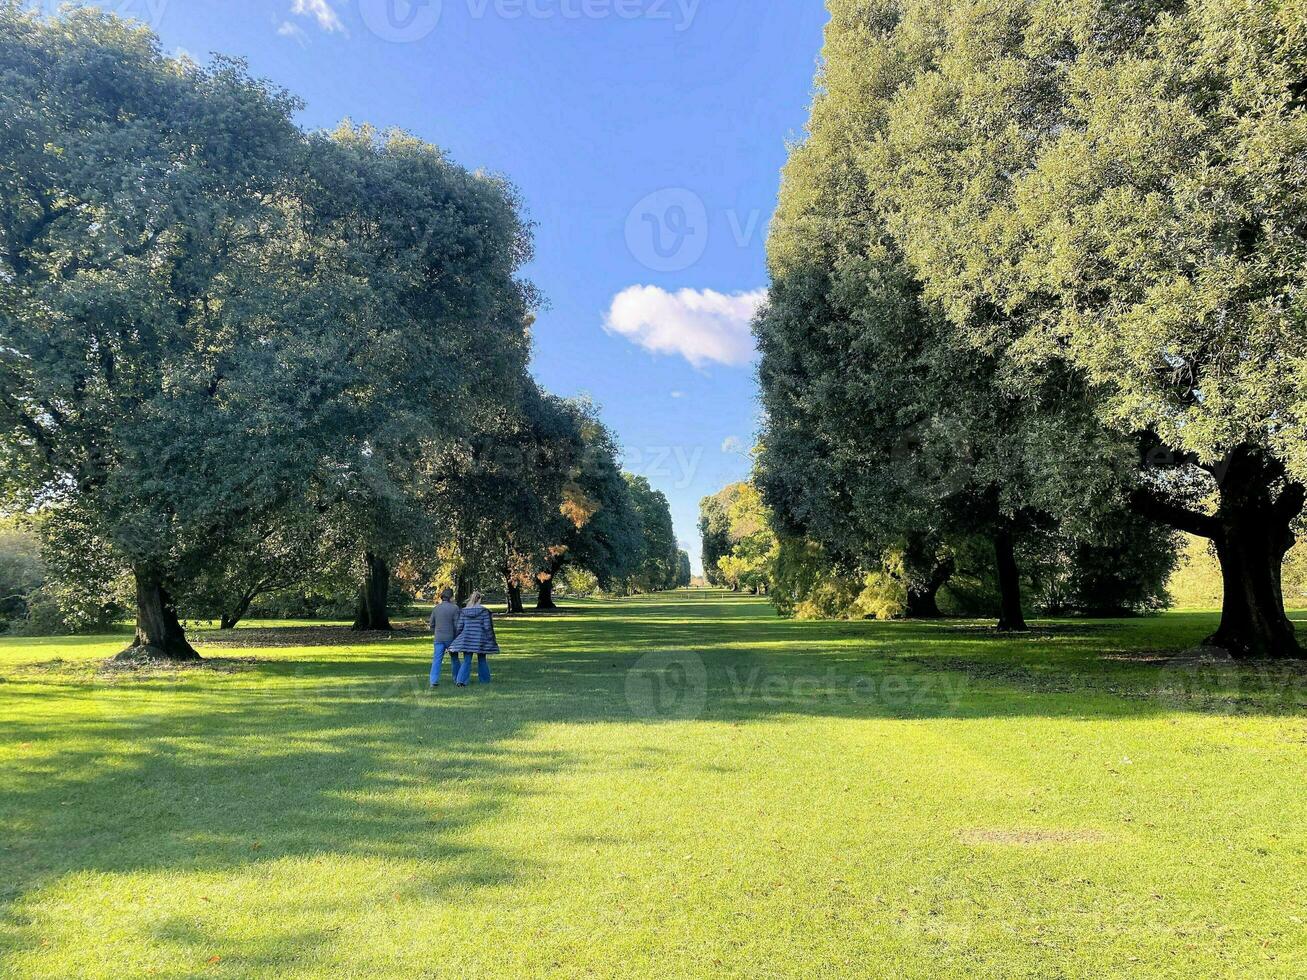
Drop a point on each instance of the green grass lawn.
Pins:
(679, 786)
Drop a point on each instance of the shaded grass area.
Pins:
(683, 785)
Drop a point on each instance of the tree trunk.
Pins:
(1252, 530)
(514, 593)
(1253, 535)
(230, 619)
(1011, 618)
(923, 593)
(1253, 621)
(159, 633)
(374, 596)
(462, 588)
(545, 595)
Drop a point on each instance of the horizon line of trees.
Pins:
(239, 359)
(1037, 281)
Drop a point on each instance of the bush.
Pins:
(1117, 567)
(86, 590)
(577, 582)
(22, 571)
(829, 598)
(1295, 578)
(883, 597)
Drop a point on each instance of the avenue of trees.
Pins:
(1037, 289)
(238, 359)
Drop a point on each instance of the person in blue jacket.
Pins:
(476, 635)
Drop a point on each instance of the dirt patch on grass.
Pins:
(111, 668)
(1192, 679)
(307, 636)
(1028, 837)
(1038, 631)
(1050, 681)
(1201, 656)
(55, 668)
(107, 671)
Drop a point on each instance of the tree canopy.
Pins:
(660, 557)
(1034, 262)
(884, 429)
(167, 367)
(234, 354)
(597, 527)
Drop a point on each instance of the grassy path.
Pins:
(679, 786)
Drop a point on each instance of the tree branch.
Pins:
(37, 433)
(1151, 505)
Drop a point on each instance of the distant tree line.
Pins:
(239, 360)
(1037, 283)
(739, 546)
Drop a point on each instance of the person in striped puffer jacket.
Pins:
(476, 635)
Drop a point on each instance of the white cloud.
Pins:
(294, 31)
(700, 325)
(322, 12)
(732, 444)
(678, 394)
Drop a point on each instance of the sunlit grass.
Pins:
(882, 800)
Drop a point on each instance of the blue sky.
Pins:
(646, 137)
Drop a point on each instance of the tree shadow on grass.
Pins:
(226, 773)
(310, 756)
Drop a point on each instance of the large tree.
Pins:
(1125, 183)
(656, 570)
(884, 431)
(164, 369)
(597, 527)
(444, 328)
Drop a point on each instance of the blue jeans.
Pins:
(438, 660)
(465, 669)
